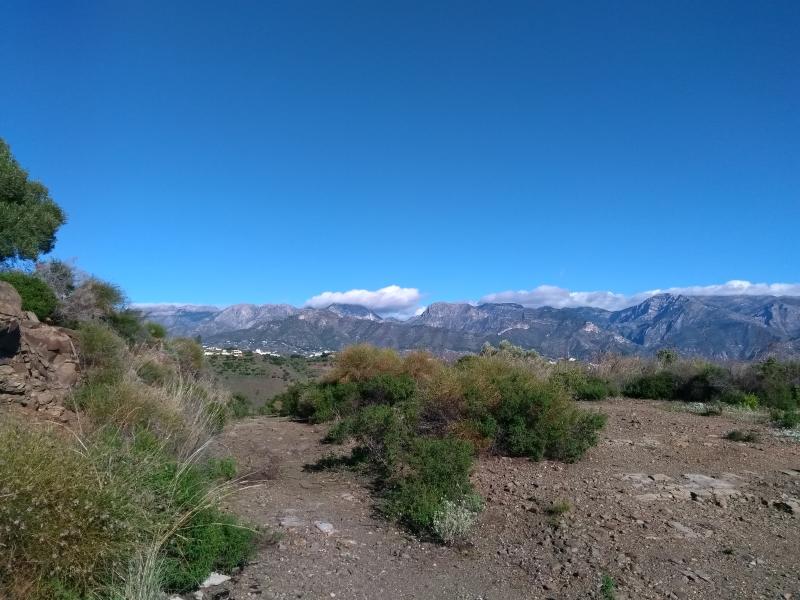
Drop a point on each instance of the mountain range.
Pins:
(719, 327)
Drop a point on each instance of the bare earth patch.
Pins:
(664, 505)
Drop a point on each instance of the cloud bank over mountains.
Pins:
(390, 300)
(399, 301)
(405, 302)
(549, 295)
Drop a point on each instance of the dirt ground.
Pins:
(664, 506)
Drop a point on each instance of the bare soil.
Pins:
(664, 505)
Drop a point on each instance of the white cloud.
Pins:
(549, 295)
(390, 300)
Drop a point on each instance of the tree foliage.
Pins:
(36, 296)
(29, 218)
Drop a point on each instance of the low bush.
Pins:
(708, 383)
(104, 355)
(662, 385)
(770, 384)
(776, 383)
(582, 385)
(155, 330)
(558, 508)
(239, 406)
(36, 295)
(438, 471)
(188, 354)
(155, 372)
(453, 521)
(786, 419)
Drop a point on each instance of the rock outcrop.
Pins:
(38, 362)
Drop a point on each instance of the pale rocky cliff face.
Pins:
(38, 362)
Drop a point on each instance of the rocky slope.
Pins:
(38, 363)
(721, 327)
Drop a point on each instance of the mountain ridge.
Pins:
(719, 327)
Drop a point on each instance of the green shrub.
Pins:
(36, 295)
(750, 401)
(155, 330)
(707, 384)
(419, 421)
(667, 356)
(662, 385)
(207, 539)
(104, 355)
(128, 324)
(153, 372)
(387, 388)
(188, 354)
(594, 388)
(776, 383)
(239, 406)
(538, 420)
(584, 386)
(786, 419)
(438, 471)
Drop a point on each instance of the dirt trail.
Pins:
(663, 505)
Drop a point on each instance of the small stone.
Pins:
(214, 579)
(324, 527)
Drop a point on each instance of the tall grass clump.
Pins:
(88, 517)
(419, 422)
(67, 522)
(127, 504)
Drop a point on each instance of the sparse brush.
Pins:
(558, 508)
(607, 587)
(742, 436)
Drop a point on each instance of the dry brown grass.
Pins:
(363, 362)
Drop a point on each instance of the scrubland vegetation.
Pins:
(121, 503)
(770, 384)
(418, 423)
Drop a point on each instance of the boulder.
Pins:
(10, 301)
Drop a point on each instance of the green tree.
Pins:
(29, 218)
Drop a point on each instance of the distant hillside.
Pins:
(721, 327)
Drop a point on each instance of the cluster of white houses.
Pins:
(214, 351)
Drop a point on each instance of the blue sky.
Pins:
(215, 152)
